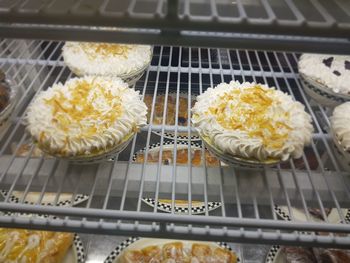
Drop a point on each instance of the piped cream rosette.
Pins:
(251, 124)
(86, 119)
(127, 62)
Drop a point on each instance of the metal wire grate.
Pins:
(116, 188)
(260, 24)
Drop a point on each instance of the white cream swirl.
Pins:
(330, 70)
(85, 58)
(85, 116)
(294, 128)
(340, 122)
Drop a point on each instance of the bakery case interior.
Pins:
(195, 131)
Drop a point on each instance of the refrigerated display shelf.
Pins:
(293, 25)
(116, 188)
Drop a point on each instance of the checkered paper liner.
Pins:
(79, 198)
(195, 209)
(165, 207)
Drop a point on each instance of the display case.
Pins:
(196, 44)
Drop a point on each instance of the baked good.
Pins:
(85, 117)
(299, 254)
(24, 150)
(181, 156)
(315, 255)
(4, 96)
(179, 252)
(21, 245)
(340, 130)
(182, 119)
(326, 78)
(7, 98)
(125, 61)
(251, 122)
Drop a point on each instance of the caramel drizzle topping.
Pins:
(78, 113)
(247, 110)
(105, 49)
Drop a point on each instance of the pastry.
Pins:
(85, 117)
(179, 252)
(251, 122)
(299, 254)
(24, 150)
(182, 119)
(315, 255)
(7, 99)
(326, 78)
(181, 156)
(4, 96)
(340, 130)
(20, 245)
(125, 61)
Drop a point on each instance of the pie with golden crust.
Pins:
(180, 253)
(181, 157)
(31, 246)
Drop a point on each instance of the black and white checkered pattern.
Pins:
(77, 200)
(113, 256)
(282, 214)
(271, 255)
(285, 215)
(170, 135)
(182, 209)
(119, 249)
(79, 249)
(157, 145)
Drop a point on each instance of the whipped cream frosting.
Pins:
(85, 116)
(252, 121)
(340, 122)
(329, 70)
(85, 58)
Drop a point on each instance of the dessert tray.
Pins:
(137, 243)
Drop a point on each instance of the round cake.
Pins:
(252, 122)
(125, 61)
(340, 126)
(8, 94)
(85, 117)
(326, 78)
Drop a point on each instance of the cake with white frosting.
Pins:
(340, 122)
(330, 70)
(252, 121)
(125, 61)
(85, 116)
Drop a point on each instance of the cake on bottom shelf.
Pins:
(33, 246)
(283, 254)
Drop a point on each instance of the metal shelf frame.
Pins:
(290, 25)
(116, 188)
